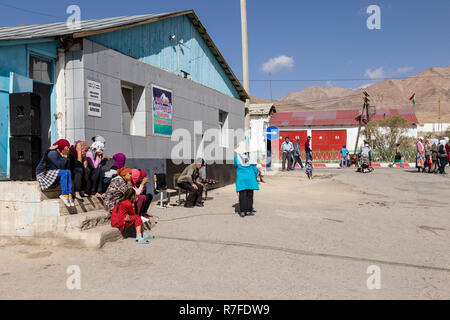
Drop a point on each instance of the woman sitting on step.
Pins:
(53, 167)
(139, 180)
(124, 216)
(117, 188)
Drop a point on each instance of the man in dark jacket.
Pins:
(190, 181)
(308, 149)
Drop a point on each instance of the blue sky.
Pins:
(321, 39)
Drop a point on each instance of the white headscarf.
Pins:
(98, 146)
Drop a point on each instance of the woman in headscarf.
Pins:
(139, 180)
(79, 168)
(434, 155)
(420, 155)
(53, 167)
(120, 160)
(95, 160)
(447, 148)
(117, 188)
(246, 179)
(427, 149)
(442, 156)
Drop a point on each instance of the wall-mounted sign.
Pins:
(162, 111)
(94, 98)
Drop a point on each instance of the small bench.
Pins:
(163, 189)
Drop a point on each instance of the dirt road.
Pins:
(308, 240)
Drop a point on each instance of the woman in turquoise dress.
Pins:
(246, 180)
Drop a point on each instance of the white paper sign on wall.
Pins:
(94, 98)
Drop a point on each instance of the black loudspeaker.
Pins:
(25, 119)
(25, 154)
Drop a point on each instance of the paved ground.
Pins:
(309, 240)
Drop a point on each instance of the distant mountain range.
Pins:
(428, 86)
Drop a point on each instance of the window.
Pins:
(223, 125)
(40, 69)
(133, 110)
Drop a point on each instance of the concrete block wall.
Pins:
(192, 101)
(23, 212)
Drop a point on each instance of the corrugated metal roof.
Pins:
(95, 26)
(333, 117)
(60, 28)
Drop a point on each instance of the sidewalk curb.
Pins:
(336, 165)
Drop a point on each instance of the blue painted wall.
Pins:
(150, 43)
(14, 58)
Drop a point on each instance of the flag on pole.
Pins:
(413, 98)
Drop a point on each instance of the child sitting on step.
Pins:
(124, 216)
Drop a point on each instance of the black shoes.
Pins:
(188, 206)
(250, 213)
(242, 214)
(199, 204)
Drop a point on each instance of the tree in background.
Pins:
(386, 133)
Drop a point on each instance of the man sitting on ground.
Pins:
(190, 181)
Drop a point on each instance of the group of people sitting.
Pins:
(122, 189)
(432, 154)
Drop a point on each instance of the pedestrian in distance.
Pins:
(296, 155)
(287, 148)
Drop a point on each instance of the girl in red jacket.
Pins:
(124, 216)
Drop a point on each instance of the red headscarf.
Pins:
(61, 145)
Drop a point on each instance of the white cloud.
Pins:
(329, 83)
(277, 64)
(404, 70)
(375, 73)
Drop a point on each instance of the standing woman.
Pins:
(53, 167)
(428, 160)
(447, 148)
(420, 155)
(246, 179)
(139, 180)
(442, 157)
(117, 188)
(434, 155)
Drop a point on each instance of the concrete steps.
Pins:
(28, 215)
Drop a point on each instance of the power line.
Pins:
(346, 79)
(31, 11)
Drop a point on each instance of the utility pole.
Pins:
(440, 120)
(245, 61)
(365, 109)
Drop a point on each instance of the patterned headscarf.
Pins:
(84, 148)
(98, 146)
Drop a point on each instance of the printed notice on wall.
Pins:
(162, 111)
(94, 98)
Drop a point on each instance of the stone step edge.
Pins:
(91, 239)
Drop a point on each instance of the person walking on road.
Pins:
(344, 155)
(287, 148)
(398, 157)
(296, 155)
(308, 150)
(246, 179)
